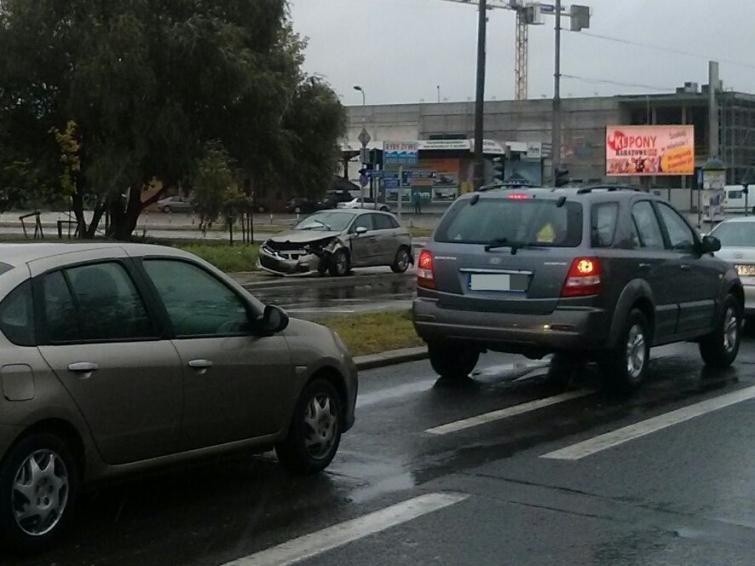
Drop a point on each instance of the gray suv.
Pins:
(583, 274)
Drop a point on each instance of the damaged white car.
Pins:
(334, 241)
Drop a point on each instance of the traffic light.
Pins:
(498, 169)
(562, 177)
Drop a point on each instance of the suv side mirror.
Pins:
(710, 244)
(274, 320)
(360, 230)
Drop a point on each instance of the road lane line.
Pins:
(642, 428)
(500, 414)
(316, 543)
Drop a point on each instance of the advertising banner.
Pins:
(650, 150)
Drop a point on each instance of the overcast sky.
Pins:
(399, 50)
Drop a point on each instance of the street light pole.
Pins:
(364, 98)
(479, 164)
(556, 130)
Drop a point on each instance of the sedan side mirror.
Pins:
(274, 320)
(710, 244)
(360, 230)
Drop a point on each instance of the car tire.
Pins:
(401, 261)
(384, 209)
(42, 466)
(563, 369)
(453, 361)
(340, 264)
(167, 210)
(315, 430)
(719, 348)
(624, 367)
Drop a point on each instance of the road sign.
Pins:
(364, 137)
(399, 154)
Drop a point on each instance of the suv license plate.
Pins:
(490, 282)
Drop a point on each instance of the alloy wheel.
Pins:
(321, 420)
(635, 351)
(40, 492)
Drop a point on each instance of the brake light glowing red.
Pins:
(584, 278)
(425, 270)
(517, 196)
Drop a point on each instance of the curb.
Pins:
(390, 358)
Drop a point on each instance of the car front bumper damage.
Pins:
(297, 260)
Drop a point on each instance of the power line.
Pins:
(591, 80)
(665, 48)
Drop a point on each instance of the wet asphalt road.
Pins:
(681, 495)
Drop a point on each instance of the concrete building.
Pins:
(584, 122)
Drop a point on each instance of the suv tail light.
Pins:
(583, 278)
(425, 271)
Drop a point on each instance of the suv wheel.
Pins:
(720, 347)
(38, 486)
(453, 361)
(315, 431)
(625, 366)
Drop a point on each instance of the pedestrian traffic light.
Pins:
(499, 169)
(562, 177)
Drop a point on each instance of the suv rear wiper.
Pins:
(506, 243)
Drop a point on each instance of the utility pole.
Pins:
(556, 130)
(479, 118)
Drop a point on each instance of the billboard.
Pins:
(650, 150)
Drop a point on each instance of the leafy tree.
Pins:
(147, 85)
(214, 183)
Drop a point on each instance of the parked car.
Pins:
(122, 357)
(335, 241)
(333, 198)
(737, 237)
(736, 200)
(586, 274)
(301, 205)
(175, 204)
(365, 202)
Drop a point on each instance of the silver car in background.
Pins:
(334, 241)
(737, 236)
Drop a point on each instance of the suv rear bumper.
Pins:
(565, 329)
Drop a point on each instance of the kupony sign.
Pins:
(650, 150)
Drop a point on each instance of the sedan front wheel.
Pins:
(315, 431)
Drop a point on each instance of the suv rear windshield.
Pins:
(528, 221)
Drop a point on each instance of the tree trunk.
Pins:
(78, 210)
(99, 210)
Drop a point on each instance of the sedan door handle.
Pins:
(644, 265)
(83, 367)
(685, 267)
(201, 365)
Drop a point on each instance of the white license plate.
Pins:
(490, 282)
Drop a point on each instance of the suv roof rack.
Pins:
(609, 188)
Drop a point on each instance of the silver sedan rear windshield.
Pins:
(513, 219)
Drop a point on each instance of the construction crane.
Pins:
(527, 14)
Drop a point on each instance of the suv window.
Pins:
(363, 221)
(17, 315)
(382, 222)
(646, 222)
(198, 304)
(526, 221)
(734, 194)
(603, 224)
(97, 302)
(679, 233)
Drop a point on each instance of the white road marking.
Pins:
(642, 428)
(520, 409)
(316, 543)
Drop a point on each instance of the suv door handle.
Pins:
(200, 365)
(85, 368)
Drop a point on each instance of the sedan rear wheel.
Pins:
(38, 485)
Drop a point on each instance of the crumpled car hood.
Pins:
(303, 236)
